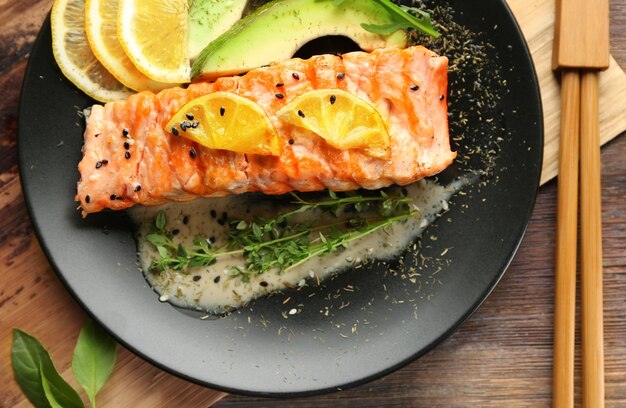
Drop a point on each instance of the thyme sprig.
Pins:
(276, 244)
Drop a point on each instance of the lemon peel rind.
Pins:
(130, 77)
(68, 67)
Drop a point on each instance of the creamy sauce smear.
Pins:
(212, 290)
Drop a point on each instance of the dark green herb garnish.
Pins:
(276, 244)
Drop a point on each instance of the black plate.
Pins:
(257, 350)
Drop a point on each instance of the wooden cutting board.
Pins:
(536, 18)
(32, 298)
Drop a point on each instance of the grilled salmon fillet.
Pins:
(128, 158)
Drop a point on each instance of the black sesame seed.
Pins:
(301, 114)
(189, 116)
(263, 283)
(339, 55)
(280, 96)
(113, 197)
(125, 132)
(137, 188)
(333, 98)
(183, 126)
(119, 198)
(127, 155)
(217, 279)
(415, 88)
(213, 213)
(97, 134)
(222, 111)
(175, 131)
(185, 220)
(341, 75)
(221, 222)
(192, 153)
(212, 239)
(105, 161)
(87, 198)
(98, 165)
(175, 231)
(196, 278)
(441, 97)
(295, 76)
(291, 141)
(280, 84)
(126, 145)
(195, 124)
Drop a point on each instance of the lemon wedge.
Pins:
(74, 56)
(153, 34)
(223, 120)
(344, 120)
(101, 30)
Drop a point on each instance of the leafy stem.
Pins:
(276, 244)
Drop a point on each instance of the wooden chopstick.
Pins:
(567, 215)
(581, 44)
(591, 244)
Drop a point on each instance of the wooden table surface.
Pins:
(501, 357)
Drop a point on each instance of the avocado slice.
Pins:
(278, 29)
(208, 19)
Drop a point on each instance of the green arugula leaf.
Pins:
(58, 392)
(402, 19)
(94, 358)
(31, 363)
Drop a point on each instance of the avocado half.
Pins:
(278, 29)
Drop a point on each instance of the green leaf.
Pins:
(402, 19)
(256, 231)
(26, 357)
(161, 221)
(181, 251)
(94, 358)
(58, 392)
(31, 363)
(156, 239)
(163, 252)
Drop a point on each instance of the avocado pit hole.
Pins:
(329, 44)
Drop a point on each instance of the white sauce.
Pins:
(211, 289)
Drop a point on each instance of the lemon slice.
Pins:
(223, 120)
(101, 30)
(153, 34)
(345, 121)
(74, 56)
